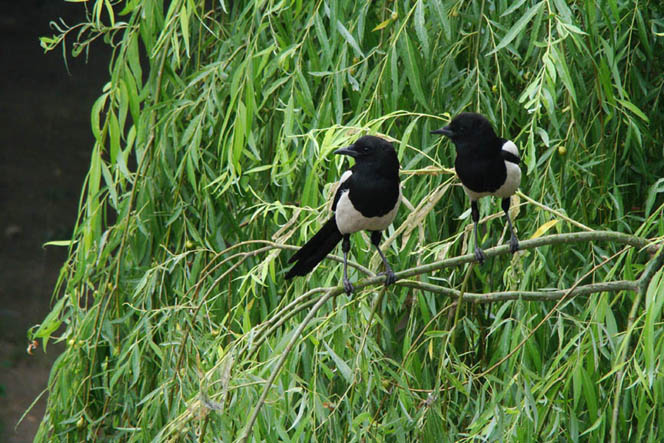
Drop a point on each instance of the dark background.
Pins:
(45, 145)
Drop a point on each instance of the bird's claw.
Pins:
(348, 287)
(390, 278)
(479, 255)
(514, 244)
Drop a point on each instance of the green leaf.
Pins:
(420, 28)
(184, 25)
(342, 366)
(382, 24)
(349, 39)
(95, 115)
(51, 323)
(411, 64)
(656, 188)
(513, 7)
(634, 109)
(65, 243)
(441, 13)
(563, 71)
(114, 133)
(517, 28)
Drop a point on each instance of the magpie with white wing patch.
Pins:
(486, 165)
(367, 198)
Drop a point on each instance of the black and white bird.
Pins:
(486, 165)
(367, 198)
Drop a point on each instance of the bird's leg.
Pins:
(345, 247)
(389, 274)
(475, 212)
(514, 242)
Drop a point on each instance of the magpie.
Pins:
(367, 198)
(486, 165)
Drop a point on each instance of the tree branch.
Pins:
(555, 239)
(543, 295)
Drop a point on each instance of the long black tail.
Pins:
(315, 250)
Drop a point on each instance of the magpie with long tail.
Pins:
(486, 165)
(367, 199)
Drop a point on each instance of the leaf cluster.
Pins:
(212, 157)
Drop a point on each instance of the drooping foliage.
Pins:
(213, 150)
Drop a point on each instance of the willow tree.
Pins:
(211, 163)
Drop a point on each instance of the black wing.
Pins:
(509, 157)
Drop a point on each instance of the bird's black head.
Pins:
(373, 152)
(469, 130)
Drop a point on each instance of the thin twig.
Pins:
(282, 359)
(277, 320)
(554, 212)
(549, 314)
(459, 301)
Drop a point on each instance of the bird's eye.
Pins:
(365, 149)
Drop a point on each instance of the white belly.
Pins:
(474, 195)
(512, 181)
(351, 220)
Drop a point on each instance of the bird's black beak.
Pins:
(348, 150)
(446, 131)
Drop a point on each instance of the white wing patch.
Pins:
(510, 147)
(513, 179)
(346, 175)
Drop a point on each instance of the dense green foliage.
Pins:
(213, 150)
